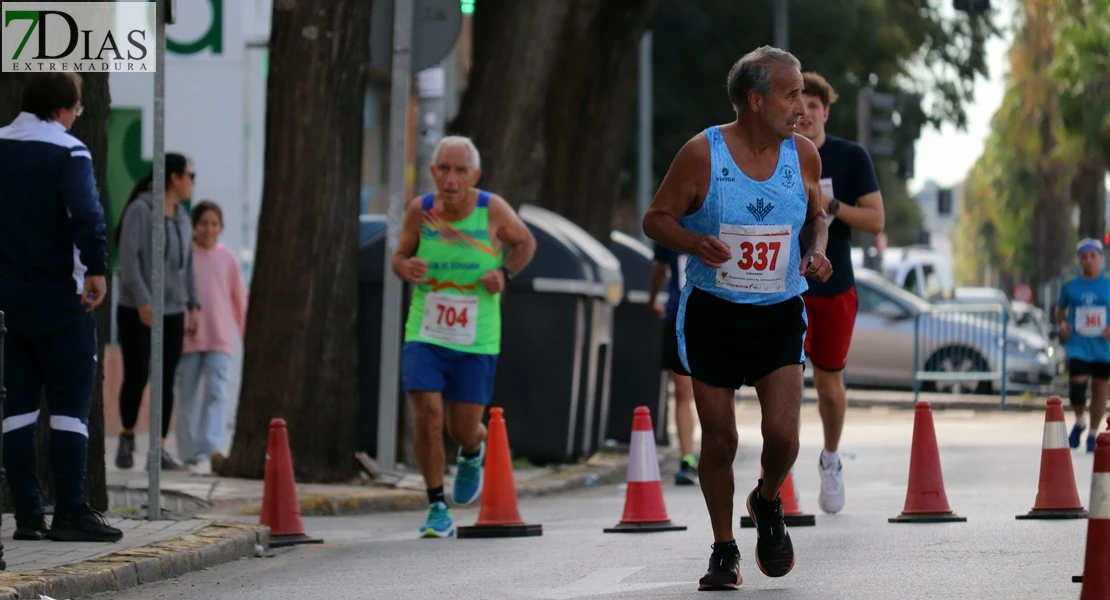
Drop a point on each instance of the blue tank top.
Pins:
(759, 220)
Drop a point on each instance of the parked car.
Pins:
(882, 350)
(922, 271)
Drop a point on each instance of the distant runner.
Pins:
(666, 260)
(850, 194)
(1081, 313)
(452, 249)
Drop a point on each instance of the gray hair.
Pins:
(458, 141)
(753, 73)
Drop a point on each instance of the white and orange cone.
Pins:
(1096, 565)
(1057, 494)
(644, 509)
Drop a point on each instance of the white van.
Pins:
(920, 270)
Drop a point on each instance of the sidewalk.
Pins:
(861, 398)
(243, 497)
(149, 551)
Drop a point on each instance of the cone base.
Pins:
(1077, 579)
(1052, 513)
(499, 531)
(799, 520)
(281, 541)
(928, 518)
(644, 527)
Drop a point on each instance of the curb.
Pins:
(608, 466)
(1012, 404)
(216, 543)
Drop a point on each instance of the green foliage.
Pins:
(907, 48)
(1082, 74)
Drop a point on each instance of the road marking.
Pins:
(600, 583)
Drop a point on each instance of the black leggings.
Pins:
(134, 341)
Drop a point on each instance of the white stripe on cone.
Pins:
(643, 465)
(1055, 436)
(1100, 496)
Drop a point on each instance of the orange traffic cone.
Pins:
(1057, 494)
(926, 501)
(644, 509)
(281, 511)
(499, 515)
(1096, 565)
(792, 513)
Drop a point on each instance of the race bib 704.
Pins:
(450, 318)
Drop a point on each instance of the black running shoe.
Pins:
(30, 530)
(724, 569)
(774, 553)
(86, 525)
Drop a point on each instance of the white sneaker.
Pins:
(831, 498)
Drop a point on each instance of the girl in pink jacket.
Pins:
(201, 424)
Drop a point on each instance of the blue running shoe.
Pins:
(1091, 443)
(439, 523)
(1076, 434)
(468, 478)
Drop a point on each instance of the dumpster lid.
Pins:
(370, 227)
(606, 268)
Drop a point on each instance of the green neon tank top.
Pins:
(452, 308)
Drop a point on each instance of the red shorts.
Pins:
(829, 333)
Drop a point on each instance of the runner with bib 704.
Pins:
(452, 249)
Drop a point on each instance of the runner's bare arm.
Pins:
(867, 215)
(815, 232)
(410, 236)
(681, 192)
(512, 232)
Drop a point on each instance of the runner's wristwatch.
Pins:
(834, 206)
(507, 273)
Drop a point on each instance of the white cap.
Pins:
(1088, 244)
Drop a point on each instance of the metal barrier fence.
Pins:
(960, 348)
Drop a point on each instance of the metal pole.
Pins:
(401, 87)
(157, 291)
(782, 24)
(644, 179)
(3, 397)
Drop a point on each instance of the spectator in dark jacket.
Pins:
(53, 260)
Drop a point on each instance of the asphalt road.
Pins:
(990, 461)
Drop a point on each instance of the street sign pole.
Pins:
(643, 170)
(388, 374)
(157, 291)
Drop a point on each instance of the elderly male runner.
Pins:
(738, 197)
(452, 249)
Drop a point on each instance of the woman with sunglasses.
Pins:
(134, 315)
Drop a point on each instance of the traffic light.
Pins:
(1106, 239)
(875, 122)
(468, 6)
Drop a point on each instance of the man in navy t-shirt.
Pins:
(851, 196)
(669, 260)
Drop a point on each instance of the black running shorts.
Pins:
(729, 345)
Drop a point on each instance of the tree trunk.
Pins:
(299, 359)
(552, 90)
(1088, 190)
(92, 129)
